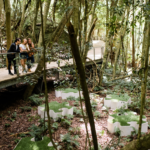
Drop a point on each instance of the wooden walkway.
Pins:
(8, 80)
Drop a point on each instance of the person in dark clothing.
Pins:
(11, 57)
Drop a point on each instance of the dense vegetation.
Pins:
(65, 29)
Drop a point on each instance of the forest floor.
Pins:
(14, 124)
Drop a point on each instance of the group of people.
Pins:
(26, 55)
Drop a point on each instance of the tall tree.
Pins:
(46, 10)
(8, 22)
(133, 42)
(22, 18)
(75, 17)
(120, 39)
(35, 19)
(144, 67)
(45, 83)
(108, 40)
(1, 8)
(107, 17)
(81, 71)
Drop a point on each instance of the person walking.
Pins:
(11, 57)
(30, 54)
(24, 54)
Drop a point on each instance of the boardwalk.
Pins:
(7, 80)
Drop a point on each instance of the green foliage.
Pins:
(93, 104)
(97, 114)
(22, 135)
(69, 116)
(121, 97)
(65, 122)
(71, 98)
(59, 116)
(16, 141)
(149, 124)
(75, 130)
(7, 125)
(134, 132)
(56, 107)
(36, 100)
(36, 132)
(98, 88)
(55, 125)
(25, 108)
(76, 103)
(69, 141)
(99, 147)
(121, 110)
(125, 118)
(117, 131)
(101, 133)
(14, 115)
(77, 111)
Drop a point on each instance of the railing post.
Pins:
(17, 63)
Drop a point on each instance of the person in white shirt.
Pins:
(24, 54)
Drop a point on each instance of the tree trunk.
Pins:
(1, 7)
(54, 9)
(22, 18)
(85, 26)
(134, 145)
(53, 39)
(144, 66)
(133, 46)
(88, 40)
(81, 71)
(19, 21)
(8, 23)
(122, 34)
(45, 83)
(75, 16)
(107, 18)
(93, 13)
(34, 21)
(46, 9)
(107, 45)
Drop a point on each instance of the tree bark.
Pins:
(121, 36)
(22, 18)
(88, 40)
(81, 71)
(46, 9)
(133, 46)
(107, 18)
(8, 22)
(75, 16)
(53, 39)
(19, 21)
(34, 21)
(93, 13)
(1, 7)
(45, 83)
(134, 145)
(85, 26)
(54, 9)
(144, 66)
(107, 45)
